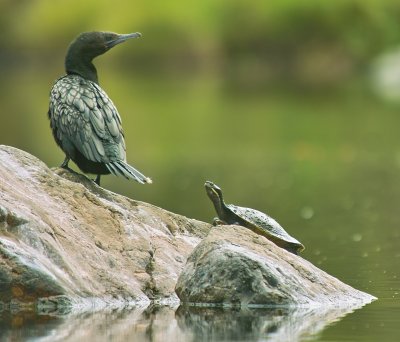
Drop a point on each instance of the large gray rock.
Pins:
(234, 266)
(64, 240)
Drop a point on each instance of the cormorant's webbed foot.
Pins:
(64, 164)
(97, 180)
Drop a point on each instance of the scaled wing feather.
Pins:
(82, 112)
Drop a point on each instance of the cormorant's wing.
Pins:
(83, 113)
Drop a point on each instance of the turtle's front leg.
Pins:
(218, 222)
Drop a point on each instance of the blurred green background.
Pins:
(290, 106)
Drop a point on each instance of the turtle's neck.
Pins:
(219, 206)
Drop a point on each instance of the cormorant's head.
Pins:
(89, 45)
(92, 44)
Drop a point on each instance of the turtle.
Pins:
(255, 220)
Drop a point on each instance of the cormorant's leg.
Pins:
(97, 180)
(64, 164)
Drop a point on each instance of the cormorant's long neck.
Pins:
(82, 65)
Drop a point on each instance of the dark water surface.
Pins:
(325, 165)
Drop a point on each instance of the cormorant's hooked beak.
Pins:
(121, 38)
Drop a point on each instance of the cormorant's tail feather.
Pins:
(120, 168)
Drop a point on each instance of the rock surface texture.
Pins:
(65, 242)
(63, 239)
(234, 266)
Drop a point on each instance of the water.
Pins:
(324, 165)
(373, 322)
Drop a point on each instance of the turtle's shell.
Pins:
(264, 225)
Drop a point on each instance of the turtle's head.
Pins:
(213, 191)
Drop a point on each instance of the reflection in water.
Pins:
(276, 324)
(163, 323)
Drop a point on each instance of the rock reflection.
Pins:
(215, 324)
(152, 323)
(163, 323)
(274, 324)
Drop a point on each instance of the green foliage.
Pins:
(278, 33)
